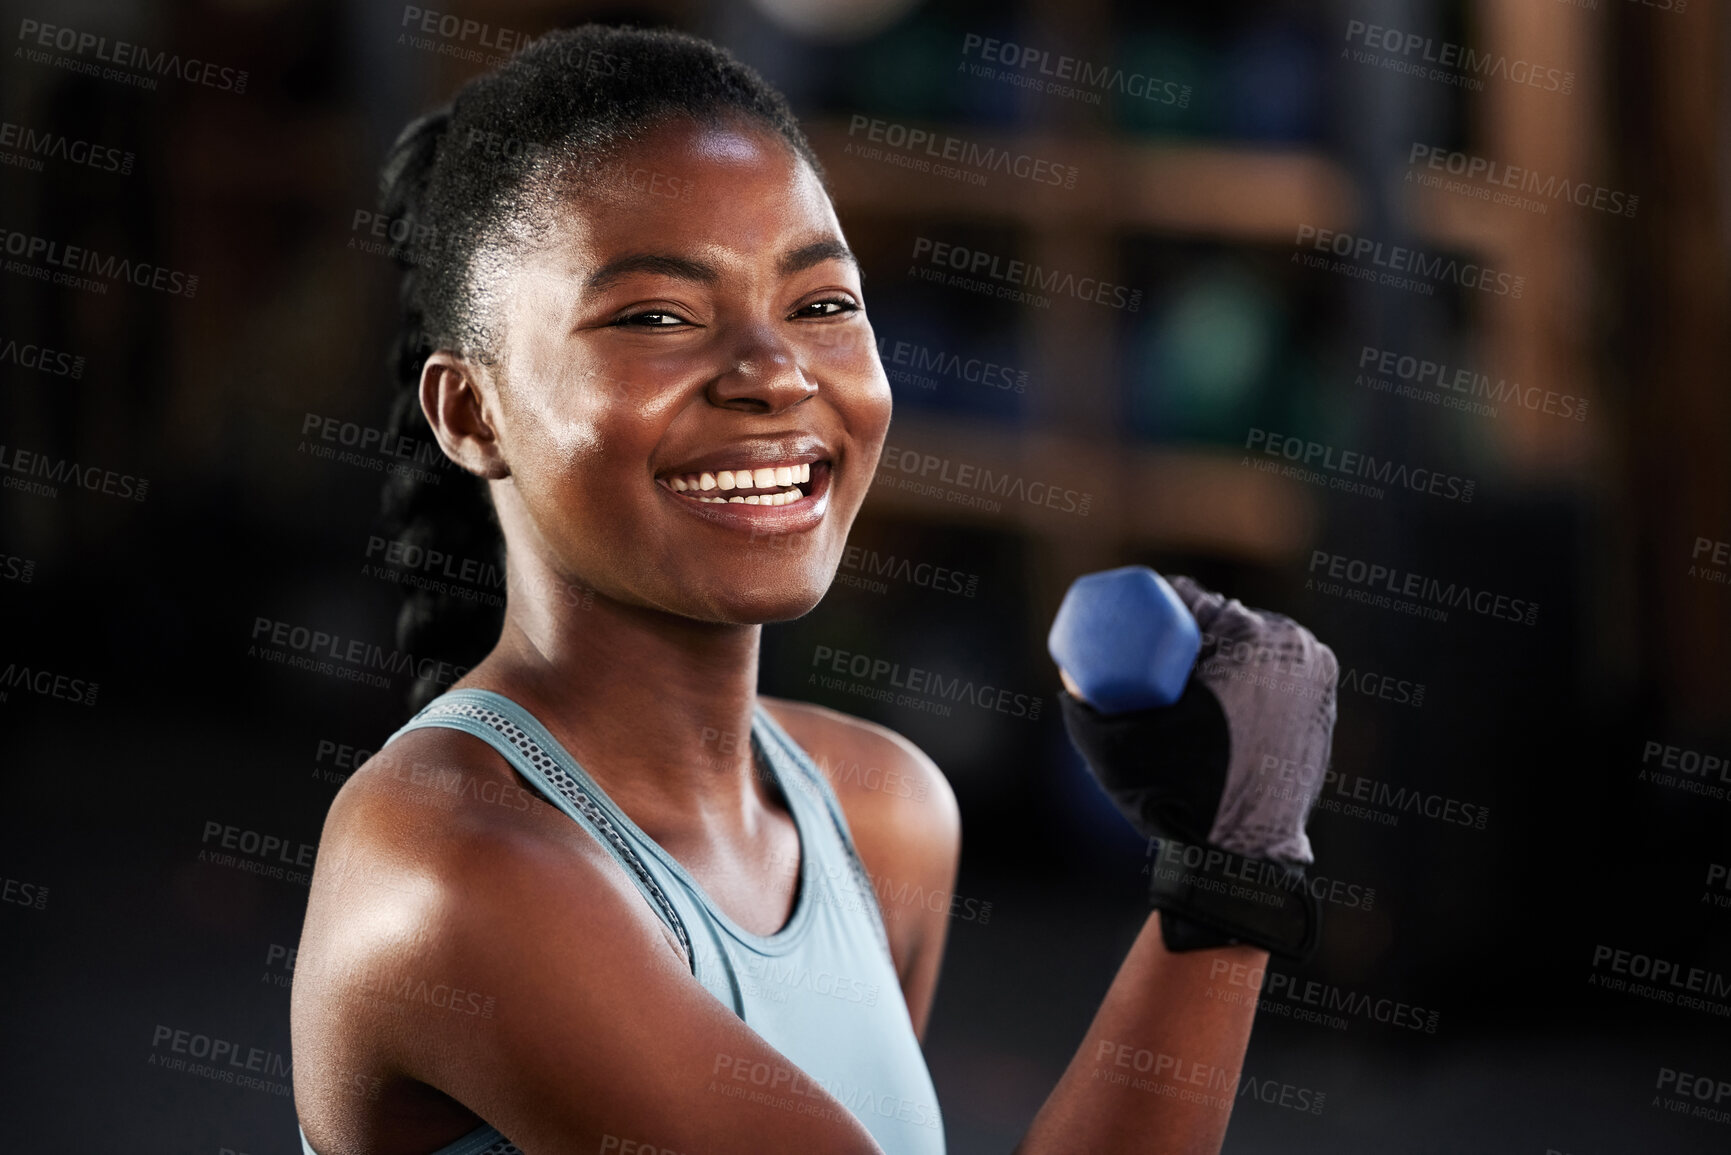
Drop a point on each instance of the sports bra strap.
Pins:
(526, 744)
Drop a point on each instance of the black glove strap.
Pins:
(1211, 897)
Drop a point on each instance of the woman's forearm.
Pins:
(1158, 1069)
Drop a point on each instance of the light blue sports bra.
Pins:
(822, 990)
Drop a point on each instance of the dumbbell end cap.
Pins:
(1125, 639)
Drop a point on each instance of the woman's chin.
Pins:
(783, 603)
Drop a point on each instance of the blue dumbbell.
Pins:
(1124, 639)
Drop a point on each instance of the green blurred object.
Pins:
(909, 71)
(1178, 75)
(1207, 359)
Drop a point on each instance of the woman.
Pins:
(649, 341)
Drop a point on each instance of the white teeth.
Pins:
(785, 497)
(786, 477)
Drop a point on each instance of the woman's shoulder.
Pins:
(888, 787)
(448, 901)
(440, 817)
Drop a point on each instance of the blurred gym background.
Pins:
(1272, 117)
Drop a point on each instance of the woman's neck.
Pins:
(656, 707)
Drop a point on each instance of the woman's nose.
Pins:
(764, 375)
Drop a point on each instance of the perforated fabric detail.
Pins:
(573, 793)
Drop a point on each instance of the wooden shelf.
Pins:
(1189, 499)
(1200, 190)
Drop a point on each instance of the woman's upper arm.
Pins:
(593, 1027)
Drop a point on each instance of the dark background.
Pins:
(113, 925)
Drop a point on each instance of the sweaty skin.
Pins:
(644, 338)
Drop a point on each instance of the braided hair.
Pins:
(467, 187)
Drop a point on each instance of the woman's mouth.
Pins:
(760, 485)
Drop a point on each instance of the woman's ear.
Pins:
(461, 414)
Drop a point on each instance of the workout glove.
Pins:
(1223, 780)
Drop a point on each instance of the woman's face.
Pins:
(692, 406)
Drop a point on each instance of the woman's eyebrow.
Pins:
(817, 252)
(666, 265)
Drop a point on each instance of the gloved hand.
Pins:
(1225, 777)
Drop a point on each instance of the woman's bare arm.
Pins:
(532, 921)
(1158, 1069)
(503, 959)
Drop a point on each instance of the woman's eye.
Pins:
(654, 319)
(830, 307)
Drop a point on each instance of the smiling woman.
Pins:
(640, 333)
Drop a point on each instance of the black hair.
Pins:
(465, 187)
